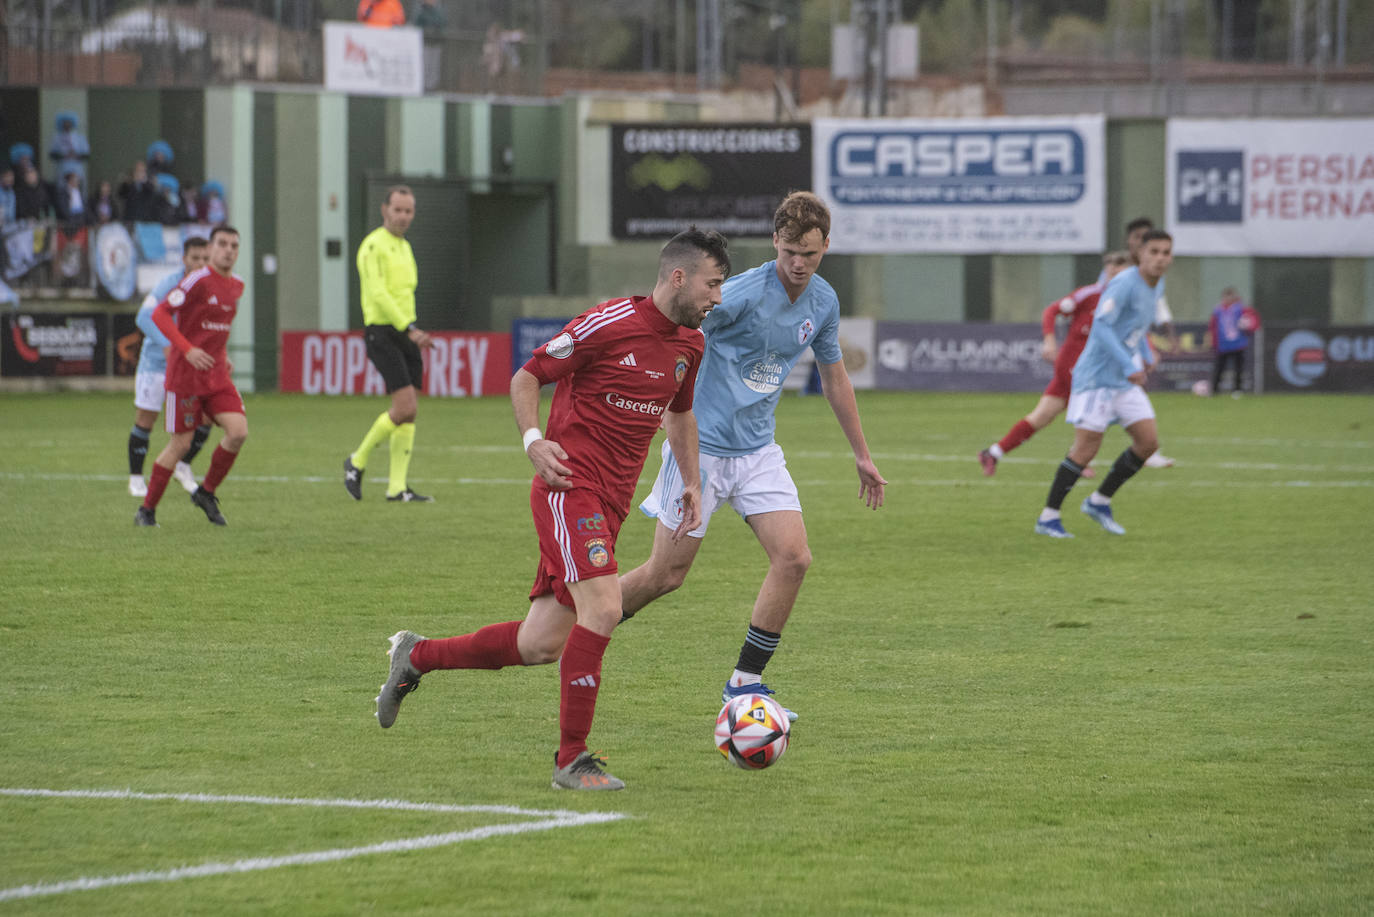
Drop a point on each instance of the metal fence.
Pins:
(511, 47)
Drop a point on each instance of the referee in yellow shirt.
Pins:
(386, 266)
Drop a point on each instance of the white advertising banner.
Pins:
(361, 60)
(962, 185)
(1282, 187)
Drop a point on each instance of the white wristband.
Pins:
(531, 435)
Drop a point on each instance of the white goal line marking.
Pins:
(550, 818)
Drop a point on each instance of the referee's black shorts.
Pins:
(395, 355)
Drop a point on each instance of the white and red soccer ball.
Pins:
(752, 731)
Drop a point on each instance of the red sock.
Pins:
(220, 463)
(1018, 434)
(492, 647)
(580, 671)
(157, 483)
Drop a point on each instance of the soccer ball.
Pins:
(752, 731)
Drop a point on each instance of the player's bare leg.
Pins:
(665, 570)
(1045, 411)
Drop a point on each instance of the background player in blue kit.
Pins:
(152, 368)
(768, 317)
(1107, 388)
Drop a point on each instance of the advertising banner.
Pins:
(54, 344)
(1191, 361)
(1306, 359)
(114, 259)
(1281, 187)
(962, 185)
(128, 343)
(960, 358)
(666, 177)
(365, 61)
(528, 333)
(461, 364)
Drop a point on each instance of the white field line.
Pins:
(555, 818)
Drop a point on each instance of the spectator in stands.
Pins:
(21, 156)
(32, 199)
(103, 207)
(214, 209)
(138, 196)
(429, 16)
(69, 149)
(160, 158)
(168, 198)
(7, 197)
(192, 207)
(381, 14)
(70, 203)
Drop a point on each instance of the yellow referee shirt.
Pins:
(386, 267)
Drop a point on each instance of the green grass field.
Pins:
(1180, 721)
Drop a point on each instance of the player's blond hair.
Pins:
(1116, 259)
(799, 213)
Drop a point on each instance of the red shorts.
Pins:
(577, 535)
(1062, 384)
(183, 413)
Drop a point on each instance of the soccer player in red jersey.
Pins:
(1078, 306)
(196, 317)
(621, 368)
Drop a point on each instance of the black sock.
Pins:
(757, 650)
(138, 448)
(202, 434)
(1064, 479)
(1126, 464)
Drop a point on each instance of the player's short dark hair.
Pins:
(1154, 235)
(1114, 258)
(799, 213)
(195, 242)
(1139, 223)
(684, 249)
(396, 189)
(223, 227)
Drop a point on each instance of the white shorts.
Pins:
(149, 391)
(751, 484)
(1097, 409)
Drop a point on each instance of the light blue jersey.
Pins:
(151, 358)
(753, 339)
(1118, 344)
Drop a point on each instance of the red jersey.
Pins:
(1079, 305)
(204, 305)
(619, 366)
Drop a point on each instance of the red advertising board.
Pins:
(461, 364)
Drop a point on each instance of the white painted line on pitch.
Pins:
(552, 818)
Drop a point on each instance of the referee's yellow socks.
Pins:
(401, 443)
(382, 427)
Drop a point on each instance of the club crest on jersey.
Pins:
(680, 368)
(597, 554)
(176, 297)
(561, 347)
(805, 330)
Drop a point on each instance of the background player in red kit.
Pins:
(196, 317)
(1078, 306)
(621, 368)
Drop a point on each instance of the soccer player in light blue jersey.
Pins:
(1108, 382)
(1164, 316)
(151, 372)
(768, 318)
